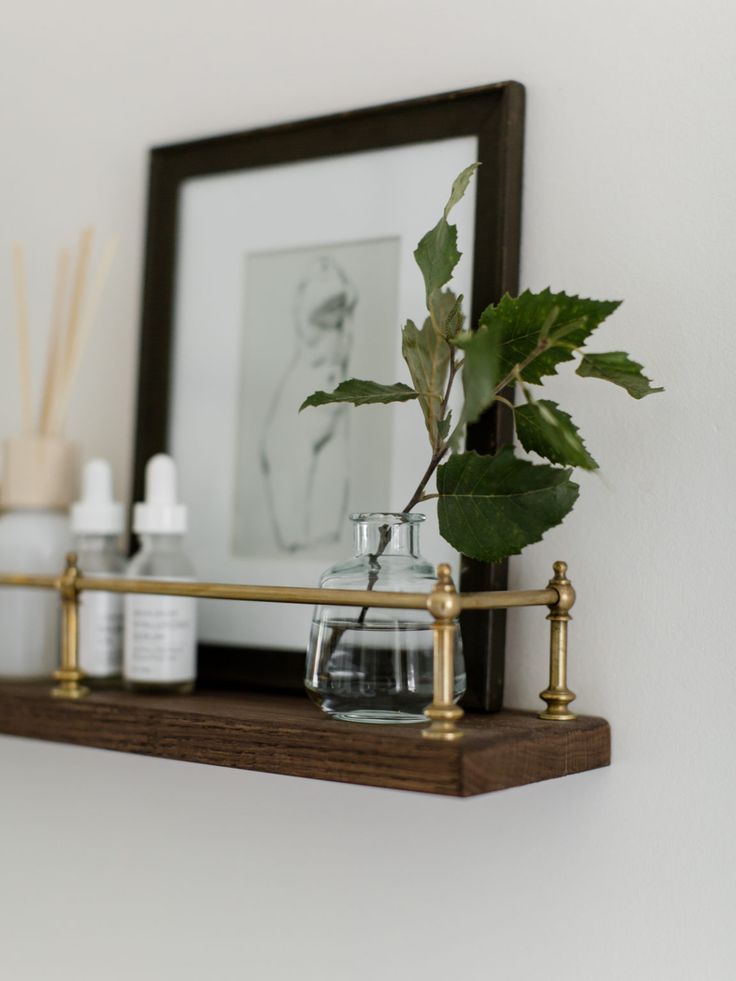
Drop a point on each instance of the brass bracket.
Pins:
(444, 603)
(69, 674)
(557, 695)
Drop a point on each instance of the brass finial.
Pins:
(68, 580)
(69, 675)
(443, 602)
(558, 696)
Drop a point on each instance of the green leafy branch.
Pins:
(492, 506)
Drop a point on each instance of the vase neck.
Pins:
(387, 534)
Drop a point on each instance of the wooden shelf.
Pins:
(284, 733)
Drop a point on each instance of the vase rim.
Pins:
(388, 517)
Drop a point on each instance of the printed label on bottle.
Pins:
(101, 634)
(160, 638)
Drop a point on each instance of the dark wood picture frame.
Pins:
(493, 113)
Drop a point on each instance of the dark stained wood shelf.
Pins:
(284, 733)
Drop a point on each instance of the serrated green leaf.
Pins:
(562, 322)
(543, 428)
(459, 187)
(443, 426)
(437, 255)
(617, 367)
(447, 311)
(481, 350)
(455, 320)
(359, 392)
(491, 507)
(427, 354)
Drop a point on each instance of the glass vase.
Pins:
(371, 664)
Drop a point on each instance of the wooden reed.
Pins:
(68, 333)
(79, 339)
(56, 329)
(75, 308)
(24, 346)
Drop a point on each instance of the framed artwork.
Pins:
(279, 261)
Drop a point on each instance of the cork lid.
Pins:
(39, 472)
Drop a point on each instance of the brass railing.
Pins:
(444, 603)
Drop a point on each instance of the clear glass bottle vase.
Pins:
(371, 664)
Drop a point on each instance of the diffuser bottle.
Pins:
(160, 649)
(97, 524)
(38, 486)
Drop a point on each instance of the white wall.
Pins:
(117, 867)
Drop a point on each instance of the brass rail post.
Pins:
(444, 605)
(69, 675)
(558, 696)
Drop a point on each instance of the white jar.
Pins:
(38, 485)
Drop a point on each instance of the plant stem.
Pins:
(417, 496)
(518, 368)
(375, 565)
(439, 450)
(437, 458)
(439, 453)
(455, 366)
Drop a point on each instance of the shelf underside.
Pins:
(284, 733)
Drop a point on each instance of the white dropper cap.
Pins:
(160, 513)
(98, 513)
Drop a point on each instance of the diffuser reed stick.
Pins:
(54, 347)
(24, 346)
(75, 308)
(79, 337)
(68, 334)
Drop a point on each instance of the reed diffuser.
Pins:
(40, 465)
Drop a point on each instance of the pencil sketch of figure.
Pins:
(307, 478)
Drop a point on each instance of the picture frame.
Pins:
(230, 214)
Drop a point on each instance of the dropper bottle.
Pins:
(97, 523)
(160, 651)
